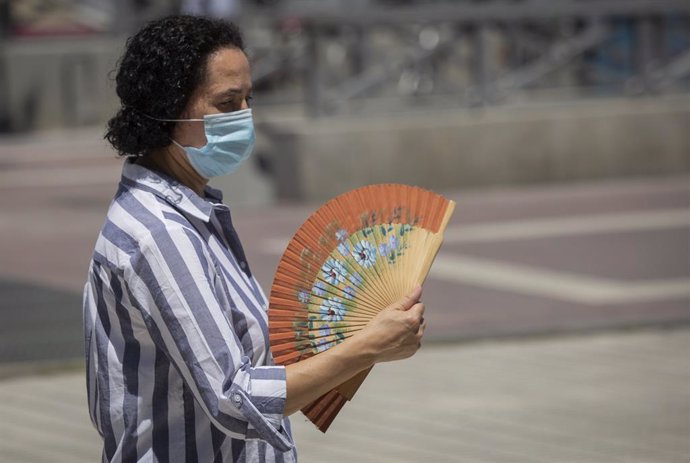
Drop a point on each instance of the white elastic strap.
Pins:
(171, 120)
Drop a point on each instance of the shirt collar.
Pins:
(173, 192)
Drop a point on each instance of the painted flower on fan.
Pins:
(332, 309)
(364, 253)
(349, 292)
(334, 272)
(356, 279)
(406, 228)
(303, 296)
(384, 250)
(325, 330)
(319, 288)
(392, 243)
(341, 235)
(344, 249)
(322, 343)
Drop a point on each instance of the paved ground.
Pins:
(606, 398)
(543, 260)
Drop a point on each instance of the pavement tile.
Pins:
(615, 397)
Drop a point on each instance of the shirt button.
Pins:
(237, 399)
(243, 265)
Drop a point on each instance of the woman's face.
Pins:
(227, 87)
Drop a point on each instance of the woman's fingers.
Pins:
(416, 314)
(420, 333)
(422, 328)
(410, 300)
(396, 332)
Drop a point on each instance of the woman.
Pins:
(178, 360)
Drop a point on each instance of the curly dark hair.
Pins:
(161, 67)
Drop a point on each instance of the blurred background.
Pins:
(559, 305)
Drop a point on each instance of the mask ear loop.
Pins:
(167, 120)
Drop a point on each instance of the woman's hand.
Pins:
(393, 334)
(396, 332)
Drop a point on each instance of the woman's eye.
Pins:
(230, 106)
(236, 104)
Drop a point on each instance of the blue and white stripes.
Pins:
(178, 361)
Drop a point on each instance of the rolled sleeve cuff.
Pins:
(262, 403)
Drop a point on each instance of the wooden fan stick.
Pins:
(439, 240)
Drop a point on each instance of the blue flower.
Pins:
(322, 344)
(341, 235)
(334, 272)
(356, 279)
(319, 288)
(325, 330)
(349, 292)
(332, 309)
(344, 249)
(303, 296)
(365, 254)
(392, 242)
(383, 250)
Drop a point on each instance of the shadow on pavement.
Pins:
(39, 323)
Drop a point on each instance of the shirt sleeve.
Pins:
(171, 280)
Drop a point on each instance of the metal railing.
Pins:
(470, 53)
(335, 57)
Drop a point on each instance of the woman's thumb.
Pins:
(411, 299)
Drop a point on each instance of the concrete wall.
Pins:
(60, 83)
(316, 160)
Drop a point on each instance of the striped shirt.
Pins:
(176, 336)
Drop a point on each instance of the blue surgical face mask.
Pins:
(229, 141)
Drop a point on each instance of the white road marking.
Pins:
(523, 279)
(567, 226)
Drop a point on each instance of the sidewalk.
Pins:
(518, 263)
(614, 397)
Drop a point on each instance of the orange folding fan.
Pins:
(354, 256)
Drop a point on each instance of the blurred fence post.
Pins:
(124, 13)
(645, 53)
(481, 71)
(5, 116)
(78, 79)
(312, 74)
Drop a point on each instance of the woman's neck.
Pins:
(172, 162)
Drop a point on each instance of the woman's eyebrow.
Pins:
(233, 92)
